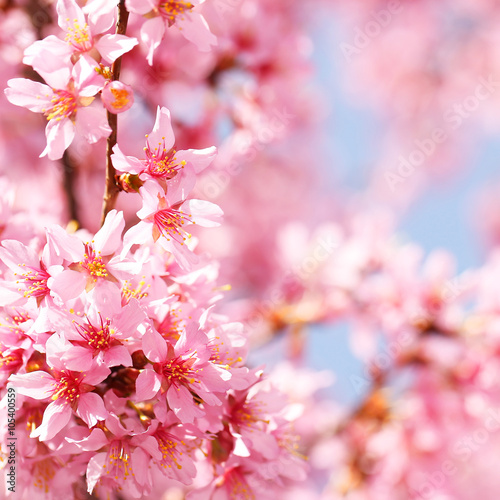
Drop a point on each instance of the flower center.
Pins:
(11, 361)
(35, 281)
(118, 461)
(168, 447)
(93, 263)
(169, 223)
(175, 8)
(43, 473)
(78, 36)
(179, 371)
(162, 163)
(67, 388)
(129, 292)
(97, 337)
(63, 105)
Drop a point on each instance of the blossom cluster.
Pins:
(128, 380)
(124, 371)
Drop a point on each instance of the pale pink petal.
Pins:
(68, 284)
(60, 135)
(101, 15)
(140, 6)
(185, 257)
(55, 418)
(150, 444)
(91, 408)
(77, 358)
(35, 54)
(61, 354)
(14, 254)
(94, 441)
(68, 12)
(124, 163)
(105, 295)
(147, 385)
(181, 185)
(181, 402)
(28, 94)
(195, 29)
(95, 470)
(154, 346)
(111, 47)
(117, 355)
(199, 159)
(162, 134)
(203, 212)
(92, 123)
(36, 385)
(88, 81)
(109, 238)
(138, 234)
(9, 293)
(150, 193)
(140, 465)
(215, 377)
(96, 375)
(63, 245)
(152, 32)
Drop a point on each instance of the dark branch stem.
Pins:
(112, 189)
(69, 186)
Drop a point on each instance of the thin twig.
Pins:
(112, 189)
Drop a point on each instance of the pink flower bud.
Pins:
(117, 97)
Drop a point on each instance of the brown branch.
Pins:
(112, 189)
(69, 171)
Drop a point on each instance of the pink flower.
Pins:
(103, 336)
(164, 217)
(162, 161)
(182, 371)
(180, 13)
(65, 103)
(70, 392)
(80, 38)
(126, 460)
(92, 263)
(31, 273)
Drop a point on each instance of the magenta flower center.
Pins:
(162, 163)
(179, 371)
(35, 281)
(170, 221)
(93, 263)
(97, 337)
(68, 388)
(63, 105)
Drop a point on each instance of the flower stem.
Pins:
(112, 189)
